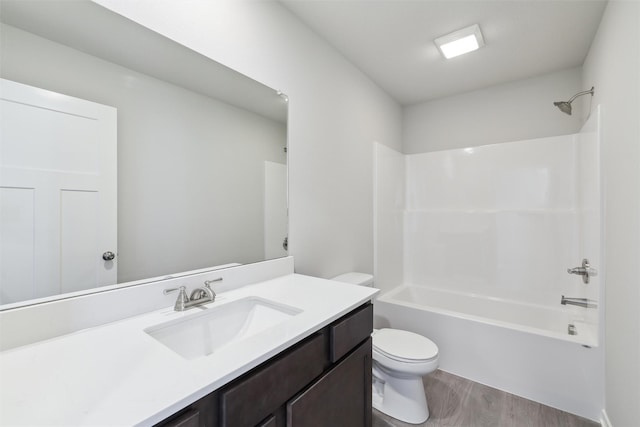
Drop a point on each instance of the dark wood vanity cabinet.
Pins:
(324, 380)
(341, 397)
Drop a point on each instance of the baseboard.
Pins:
(604, 420)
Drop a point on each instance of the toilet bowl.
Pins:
(400, 360)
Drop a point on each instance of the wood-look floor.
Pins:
(457, 402)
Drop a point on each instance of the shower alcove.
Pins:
(472, 248)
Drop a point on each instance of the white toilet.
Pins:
(400, 360)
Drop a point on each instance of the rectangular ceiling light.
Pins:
(461, 41)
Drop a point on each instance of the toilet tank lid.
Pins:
(355, 278)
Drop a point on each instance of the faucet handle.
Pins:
(209, 282)
(182, 299)
(211, 292)
(180, 288)
(585, 271)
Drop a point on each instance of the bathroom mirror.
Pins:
(200, 166)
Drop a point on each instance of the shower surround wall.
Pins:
(503, 220)
(499, 220)
(497, 226)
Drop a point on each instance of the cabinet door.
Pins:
(188, 419)
(269, 422)
(342, 397)
(250, 399)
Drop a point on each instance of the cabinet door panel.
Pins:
(342, 397)
(188, 419)
(269, 422)
(249, 400)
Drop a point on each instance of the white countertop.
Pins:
(116, 374)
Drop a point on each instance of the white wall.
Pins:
(335, 114)
(190, 191)
(389, 206)
(508, 112)
(613, 67)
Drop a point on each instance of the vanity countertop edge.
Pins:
(116, 374)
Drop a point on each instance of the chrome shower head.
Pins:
(565, 106)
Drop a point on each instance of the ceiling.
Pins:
(392, 40)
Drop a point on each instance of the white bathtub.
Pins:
(523, 349)
(537, 319)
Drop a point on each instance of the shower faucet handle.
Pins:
(585, 271)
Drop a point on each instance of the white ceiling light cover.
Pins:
(460, 42)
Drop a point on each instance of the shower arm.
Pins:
(584, 92)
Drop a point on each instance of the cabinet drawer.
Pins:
(249, 400)
(350, 331)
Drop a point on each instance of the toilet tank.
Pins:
(355, 278)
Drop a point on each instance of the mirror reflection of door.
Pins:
(58, 193)
(275, 209)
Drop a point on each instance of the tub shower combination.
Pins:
(494, 253)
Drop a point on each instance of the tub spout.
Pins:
(580, 302)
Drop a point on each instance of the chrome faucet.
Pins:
(580, 302)
(198, 296)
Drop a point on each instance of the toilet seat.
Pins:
(404, 346)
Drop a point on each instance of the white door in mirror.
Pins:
(58, 193)
(275, 209)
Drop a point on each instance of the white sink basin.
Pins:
(203, 333)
